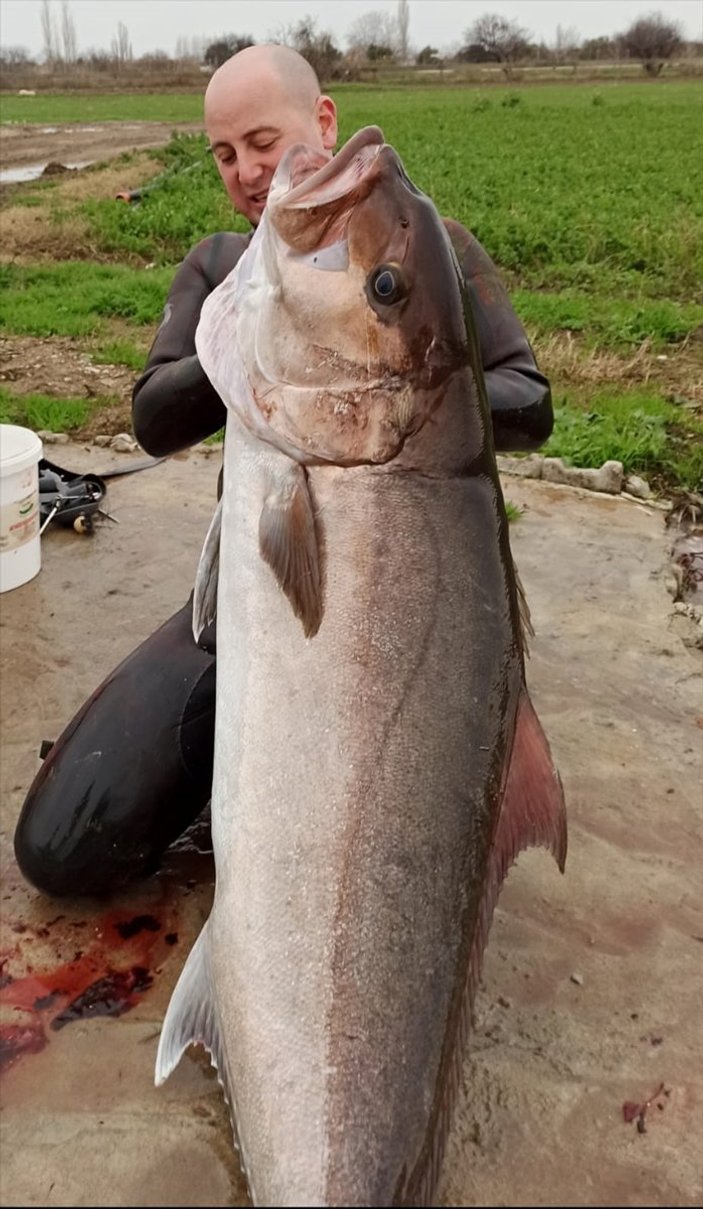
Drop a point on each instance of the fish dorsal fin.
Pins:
(288, 542)
(532, 813)
(207, 576)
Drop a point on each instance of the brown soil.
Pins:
(72, 143)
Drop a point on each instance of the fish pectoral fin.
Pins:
(207, 576)
(288, 543)
(191, 1016)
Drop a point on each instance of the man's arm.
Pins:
(173, 403)
(519, 395)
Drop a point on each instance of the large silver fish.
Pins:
(378, 764)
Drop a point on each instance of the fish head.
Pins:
(346, 312)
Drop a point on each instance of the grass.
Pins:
(37, 411)
(120, 352)
(72, 298)
(598, 198)
(648, 434)
(608, 322)
(103, 107)
(589, 199)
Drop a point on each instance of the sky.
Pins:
(157, 24)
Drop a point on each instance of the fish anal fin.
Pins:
(206, 579)
(191, 1017)
(288, 543)
(526, 627)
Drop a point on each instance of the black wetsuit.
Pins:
(90, 826)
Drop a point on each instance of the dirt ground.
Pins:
(592, 981)
(72, 143)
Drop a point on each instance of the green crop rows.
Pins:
(589, 199)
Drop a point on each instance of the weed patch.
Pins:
(120, 352)
(72, 298)
(37, 411)
(645, 432)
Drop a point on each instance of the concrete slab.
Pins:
(592, 982)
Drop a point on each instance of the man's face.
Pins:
(249, 137)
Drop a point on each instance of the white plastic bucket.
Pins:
(20, 544)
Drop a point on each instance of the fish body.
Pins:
(378, 764)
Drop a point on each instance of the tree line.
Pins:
(373, 38)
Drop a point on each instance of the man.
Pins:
(90, 822)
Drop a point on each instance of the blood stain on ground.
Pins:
(106, 978)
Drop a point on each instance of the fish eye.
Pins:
(386, 284)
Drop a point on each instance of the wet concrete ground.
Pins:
(592, 982)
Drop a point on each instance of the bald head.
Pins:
(257, 105)
(264, 67)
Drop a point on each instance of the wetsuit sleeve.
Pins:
(518, 393)
(173, 403)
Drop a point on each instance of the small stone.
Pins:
(52, 438)
(102, 440)
(607, 479)
(578, 979)
(526, 468)
(638, 487)
(504, 1001)
(123, 443)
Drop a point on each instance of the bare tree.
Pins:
(403, 23)
(566, 43)
(49, 32)
(501, 40)
(317, 47)
(194, 47)
(68, 34)
(373, 29)
(14, 56)
(652, 40)
(222, 49)
(121, 46)
(598, 49)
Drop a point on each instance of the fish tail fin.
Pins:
(191, 1017)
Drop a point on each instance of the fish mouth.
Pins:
(312, 195)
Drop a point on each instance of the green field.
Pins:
(589, 199)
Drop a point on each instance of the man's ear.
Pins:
(327, 117)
